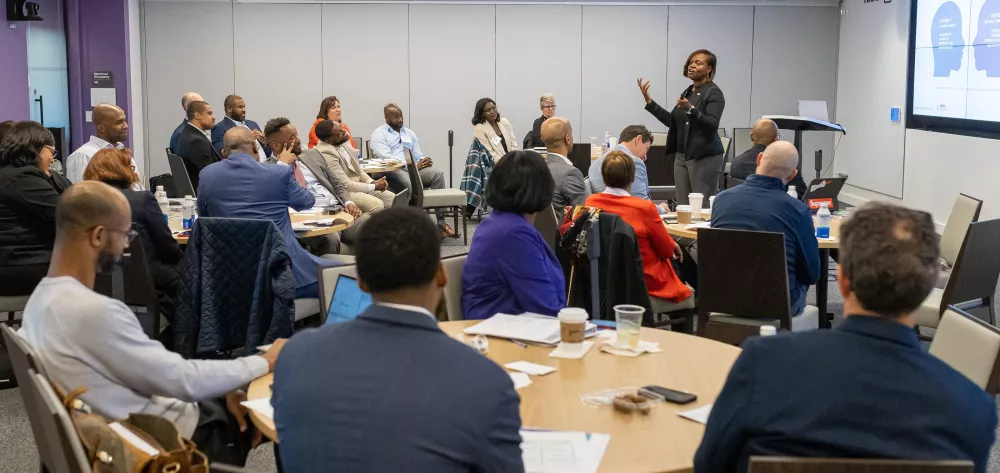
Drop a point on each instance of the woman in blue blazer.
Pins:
(510, 269)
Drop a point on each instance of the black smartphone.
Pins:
(670, 395)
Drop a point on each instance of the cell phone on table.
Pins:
(669, 395)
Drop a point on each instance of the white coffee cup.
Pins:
(711, 202)
(572, 325)
(696, 199)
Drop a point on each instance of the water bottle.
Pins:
(823, 221)
(188, 213)
(595, 151)
(606, 145)
(161, 200)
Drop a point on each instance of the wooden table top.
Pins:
(370, 167)
(679, 230)
(661, 441)
(302, 217)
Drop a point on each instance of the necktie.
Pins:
(299, 177)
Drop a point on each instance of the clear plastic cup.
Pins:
(696, 199)
(628, 324)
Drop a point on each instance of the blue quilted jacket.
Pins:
(236, 288)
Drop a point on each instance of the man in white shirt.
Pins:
(112, 129)
(85, 339)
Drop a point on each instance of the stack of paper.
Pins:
(699, 414)
(529, 368)
(528, 327)
(520, 380)
(553, 451)
(261, 406)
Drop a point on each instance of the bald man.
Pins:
(236, 115)
(112, 130)
(85, 339)
(186, 100)
(761, 204)
(557, 134)
(764, 132)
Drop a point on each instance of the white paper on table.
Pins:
(614, 348)
(528, 327)
(698, 225)
(530, 368)
(573, 353)
(261, 406)
(562, 452)
(520, 380)
(698, 414)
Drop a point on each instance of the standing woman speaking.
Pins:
(693, 135)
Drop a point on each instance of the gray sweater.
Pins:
(85, 339)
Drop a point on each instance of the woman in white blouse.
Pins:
(493, 132)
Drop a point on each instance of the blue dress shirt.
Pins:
(511, 270)
(762, 205)
(388, 144)
(640, 186)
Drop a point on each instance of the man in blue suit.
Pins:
(186, 100)
(241, 187)
(236, 115)
(389, 391)
(865, 389)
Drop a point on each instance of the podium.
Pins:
(801, 124)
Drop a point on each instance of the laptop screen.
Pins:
(348, 301)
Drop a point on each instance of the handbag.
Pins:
(143, 443)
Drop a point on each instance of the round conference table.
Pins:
(371, 168)
(298, 217)
(825, 245)
(660, 441)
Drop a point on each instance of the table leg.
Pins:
(822, 288)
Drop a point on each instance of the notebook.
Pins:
(348, 301)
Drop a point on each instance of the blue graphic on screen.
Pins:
(348, 301)
(987, 43)
(946, 39)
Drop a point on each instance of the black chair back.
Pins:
(742, 273)
(416, 185)
(660, 166)
(861, 465)
(977, 269)
(732, 182)
(139, 290)
(579, 156)
(182, 181)
(547, 225)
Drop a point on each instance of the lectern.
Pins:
(801, 124)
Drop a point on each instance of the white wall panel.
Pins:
(727, 31)
(612, 62)
(786, 70)
(538, 51)
(188, 47)
(452, 64)
(280, 72)
(365, 67)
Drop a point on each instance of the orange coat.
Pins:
(655, 244)
(314, 140)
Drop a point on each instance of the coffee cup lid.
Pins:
(695, 194)
(683, 208)
(573, 314)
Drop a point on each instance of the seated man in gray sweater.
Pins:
(85, 339)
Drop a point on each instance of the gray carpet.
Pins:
(17, 448)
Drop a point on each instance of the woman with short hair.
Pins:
(510, 268)
(667, 292)
(114, 168)
(492, 131)
(29, 192)
(548, 105)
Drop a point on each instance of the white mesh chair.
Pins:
(453, 268)
(963, 213)
(970, 346)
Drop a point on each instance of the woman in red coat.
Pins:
(655, 244)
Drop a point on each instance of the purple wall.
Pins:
(97, 39)
(14, 104)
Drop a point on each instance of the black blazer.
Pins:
(703, 129)
(197, 151)
(28, 199)
(157, 240)
(534, 139)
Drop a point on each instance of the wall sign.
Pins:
(102, 79)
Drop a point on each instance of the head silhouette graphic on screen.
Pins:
(946, 39)
(987, 42)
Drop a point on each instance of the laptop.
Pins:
(348, 301)
(824, 190)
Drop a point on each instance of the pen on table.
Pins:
(518, 343)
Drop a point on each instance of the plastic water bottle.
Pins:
(595, 151)
(188, 213)
(793, 193)
(606, 145)
(823, 221)
(161, 200)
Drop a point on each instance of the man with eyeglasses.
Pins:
(111, 132)
(548, 105)
(85, 339)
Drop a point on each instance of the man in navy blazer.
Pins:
(241, 187)
(186, 100)
(236, 115)
(389, 391)
(865, 389)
